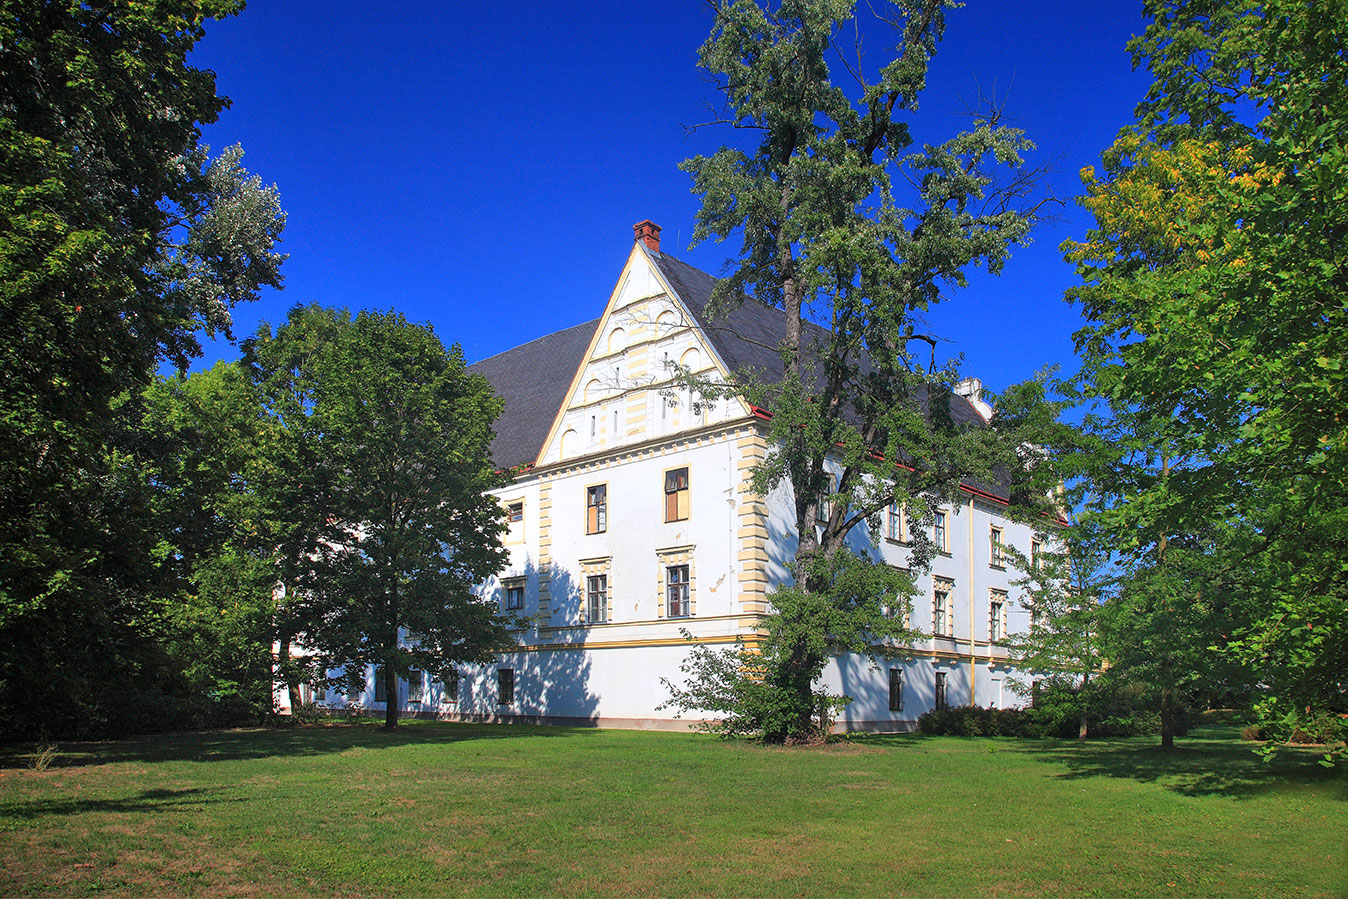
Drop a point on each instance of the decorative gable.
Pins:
(623, 391)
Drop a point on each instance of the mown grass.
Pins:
(449, 809)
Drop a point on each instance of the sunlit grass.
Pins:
(443, 808)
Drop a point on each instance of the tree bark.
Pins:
(390, 697)
(1167, 718)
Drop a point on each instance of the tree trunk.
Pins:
(288, 669)
(390, 697)
(1167, 719)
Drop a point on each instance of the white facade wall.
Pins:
(624, 425)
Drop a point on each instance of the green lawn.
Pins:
(442, 808)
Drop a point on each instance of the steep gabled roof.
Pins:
(532, 379)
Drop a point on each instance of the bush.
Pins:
(975, 721)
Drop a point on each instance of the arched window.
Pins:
(691, 359)
(570, 443)
(593, 389)
(617, 339)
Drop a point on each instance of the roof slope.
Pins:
(748, 335)
(532, 379)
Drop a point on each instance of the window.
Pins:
(320, 691)
(1036, 550)
(596, 598)
(596, 509)
(676, 494)
(895, 690)
(452, 687)
(515, 513)
(514, 594)
(997, 617)
(894, 523)
(416, 686)
(823, 510)
(997, 549)
(505, 686)
(942, 616)
(676, 591)
(380, 692)
(941, 704)
(939, 534)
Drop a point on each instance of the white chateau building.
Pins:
(632, 519)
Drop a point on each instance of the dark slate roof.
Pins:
(748, 335)
(532, 379)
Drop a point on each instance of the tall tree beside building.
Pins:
(844, 222)
(121, 239)
(404, 435)
(1216, 329)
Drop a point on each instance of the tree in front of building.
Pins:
(843, 221)
(403, 434)
(1212, 288)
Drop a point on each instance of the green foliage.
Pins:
(385, 451)
(1213, 288)
(120, 239)
(830, 232)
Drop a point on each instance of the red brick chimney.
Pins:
(648, 231)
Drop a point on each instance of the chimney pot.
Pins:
(649, 232)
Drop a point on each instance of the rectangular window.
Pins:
(452, 687)
(823, 510)
(416, 686)
(596, 598)
(894, 523)
(514, 595)
(380, 693)
(515, 513)
(996, 549)
(895, 690)
(596, 509)
(940, 692)
(941, 614)
(676, 495)
(939, 534)
(320, 692)
(505, 686)
(676, 591)
(997, 619)
(1036, 550)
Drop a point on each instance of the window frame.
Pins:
(683, 586)
(596, 521)
(590, 596)
(896, 689)
(997, 605)
(509, 586)
(418, 686)
(940, 692)
(940, 531)
(686, 491)
(505, 686)
(943, 625)
(996, 546)
(896, 524)
(451, 685)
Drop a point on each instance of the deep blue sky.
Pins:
(479, 166)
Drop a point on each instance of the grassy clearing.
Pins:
(442, 808)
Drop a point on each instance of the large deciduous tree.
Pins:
(1214, 286)
(401, 437)
(844, 222)
(120, 239)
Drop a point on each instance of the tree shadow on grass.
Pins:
(145, 801)
(1195, 767)
(256, 743)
